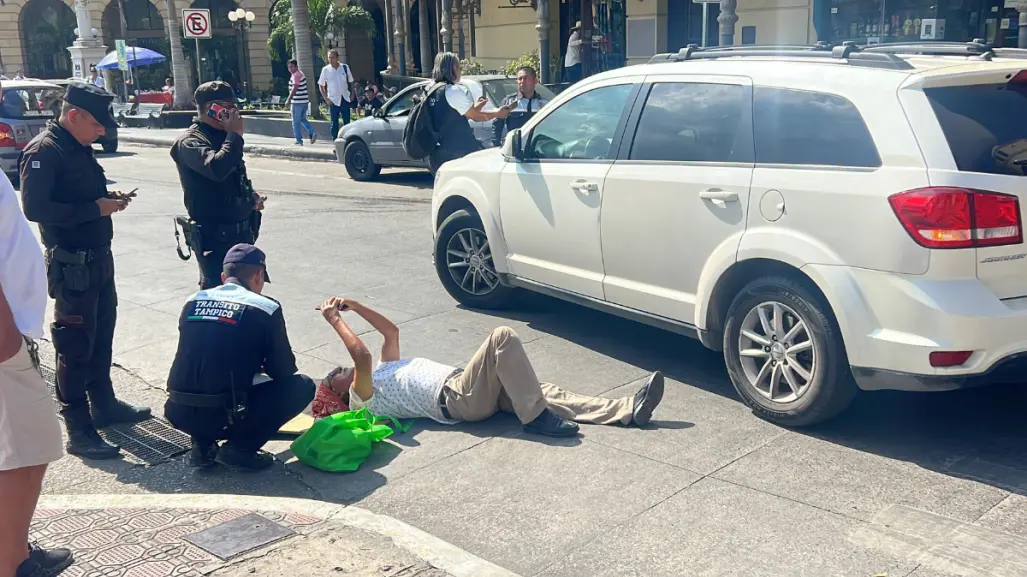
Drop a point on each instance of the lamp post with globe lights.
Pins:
(242, 20)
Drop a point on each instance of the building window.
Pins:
(876, 21)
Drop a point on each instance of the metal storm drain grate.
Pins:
(150, 442)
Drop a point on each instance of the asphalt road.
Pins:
(902, 484)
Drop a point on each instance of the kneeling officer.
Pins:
(228, 335)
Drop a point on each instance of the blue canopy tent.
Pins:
(136, 57)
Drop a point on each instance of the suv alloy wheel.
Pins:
(785, 354)
(463, 261)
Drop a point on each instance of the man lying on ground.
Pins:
(498, 378)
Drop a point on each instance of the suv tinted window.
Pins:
(799, 127)
(583, 127)
(693, 122)
(985, 125)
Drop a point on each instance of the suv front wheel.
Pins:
(785, 354)
(463, 261)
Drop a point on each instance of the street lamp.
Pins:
(332, 40)
(242, 20)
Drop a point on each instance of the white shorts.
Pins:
(29, 432)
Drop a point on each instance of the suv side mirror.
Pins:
(512, 146)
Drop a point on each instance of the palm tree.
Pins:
(182, 92)
(296, 24)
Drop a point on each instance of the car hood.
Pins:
(359, 126)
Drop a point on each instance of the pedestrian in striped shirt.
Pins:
(300, 100)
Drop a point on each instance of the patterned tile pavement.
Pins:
(143, 542)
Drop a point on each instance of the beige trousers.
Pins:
(500, 378)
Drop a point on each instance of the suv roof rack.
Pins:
(848, 51)
(976, 49)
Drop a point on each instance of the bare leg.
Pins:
(19, 493)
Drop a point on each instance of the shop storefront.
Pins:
(876, 21)
(603, 30)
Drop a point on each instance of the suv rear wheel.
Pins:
(785, 354)
(463, 261)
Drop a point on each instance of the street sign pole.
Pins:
(705, 18)
(196, 25)
(705, 22)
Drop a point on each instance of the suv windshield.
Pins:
(985, 125)
(28, 103)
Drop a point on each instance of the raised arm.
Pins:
(215, 164)
(362, 360)
(390, 350)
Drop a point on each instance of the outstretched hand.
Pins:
(334, 306)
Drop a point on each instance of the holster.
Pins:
(193, 238)
(68, 269)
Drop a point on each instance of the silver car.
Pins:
(25, 107)
(368, 144)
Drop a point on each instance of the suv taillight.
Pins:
(948, 217)
(7, 136)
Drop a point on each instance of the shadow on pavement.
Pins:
(975, 433)
(415, 178)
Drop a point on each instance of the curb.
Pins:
(298, 153)
(431, 549)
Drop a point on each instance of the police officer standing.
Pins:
(522, 105)
(227, 336)
(219, 197)
(64, 190)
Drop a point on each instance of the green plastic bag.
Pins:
(343, 441)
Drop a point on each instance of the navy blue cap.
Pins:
(243, 253)
(93, 99)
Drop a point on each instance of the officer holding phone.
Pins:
(521, 105)
(63, 188)
(223, 208)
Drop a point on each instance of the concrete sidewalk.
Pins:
(256, 144)
(228, 535)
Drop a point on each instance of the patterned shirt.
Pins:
(300, 82)
(406, 389)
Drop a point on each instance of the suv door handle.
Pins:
(585, 186)
(719, 197)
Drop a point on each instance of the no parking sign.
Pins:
(196, 23)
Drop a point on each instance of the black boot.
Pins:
(202, 454)
(551, 425)
(85, 442)
(52, 561)
(235, 458)
(108, 410)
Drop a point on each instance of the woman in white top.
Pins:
(499, 377)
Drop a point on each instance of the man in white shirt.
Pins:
(336, 84)
(95, 78)
(30, 437)
(572, 62)
(499, 377)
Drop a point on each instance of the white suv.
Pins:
(832, 219)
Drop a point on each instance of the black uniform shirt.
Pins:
(60, 184)
(227, 335)
(213, 175)
(519, 116)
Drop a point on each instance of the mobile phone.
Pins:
(218, 112)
